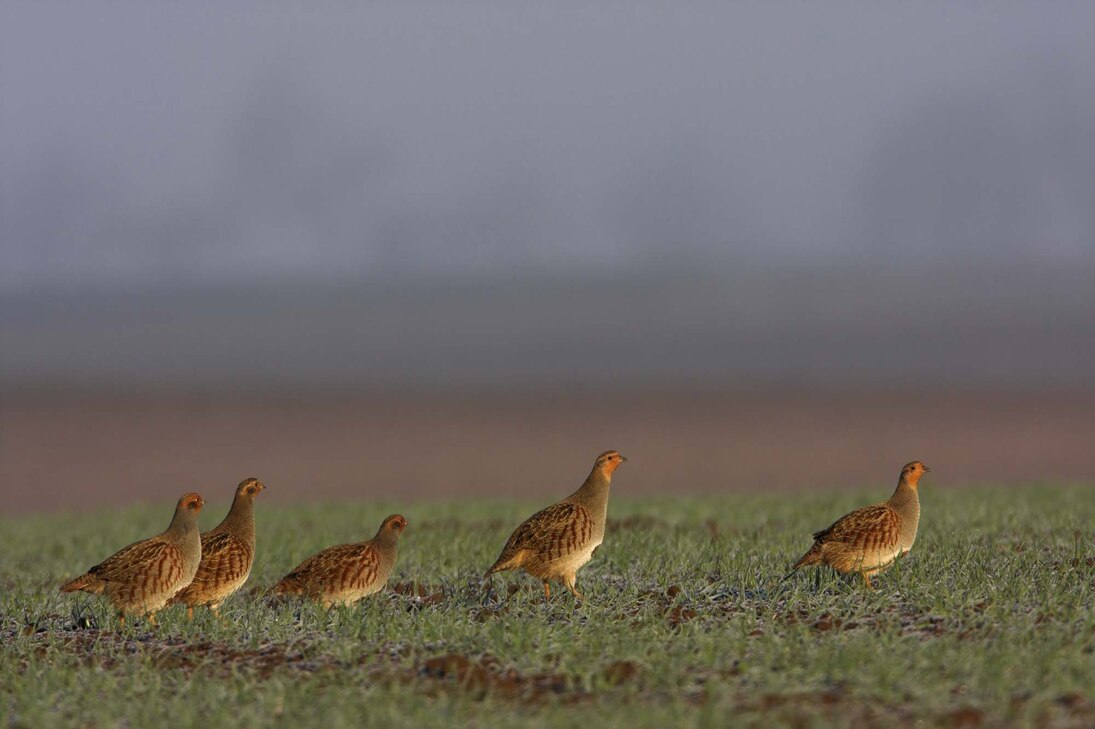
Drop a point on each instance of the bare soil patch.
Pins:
(77, 450)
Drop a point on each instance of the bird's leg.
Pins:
(121, 619)
(570, 582)
(547, 590)
(152, 620)
(189, 612)
(867, 581)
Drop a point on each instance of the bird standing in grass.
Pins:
(869, 539)
(140, 579)
(348, 572)
(228, 551)
(554, 543)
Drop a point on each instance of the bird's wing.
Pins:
(225, 559)
(870, 528)
(341, 565)
(553, 532)
(151, 558)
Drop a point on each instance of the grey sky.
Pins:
(190, 143)
(519, 194)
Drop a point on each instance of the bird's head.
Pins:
(912, 472)
(190, 502)
(608, 462)
(249, 488)
(394, 524)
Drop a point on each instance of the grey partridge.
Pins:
(869, 539)
(344, 574)
(554, 543)
(141, 578)
(228, 550)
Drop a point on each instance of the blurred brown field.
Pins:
(81, 450)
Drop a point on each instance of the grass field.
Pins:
(989, 621)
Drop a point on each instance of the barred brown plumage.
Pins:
(869, 539)
(141, 578)
(228, 551)
(348, 572)
(555, 542)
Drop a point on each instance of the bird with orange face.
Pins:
(556, 542)
(228, 550)
(869, 539)
(344, 574)
(141, 578)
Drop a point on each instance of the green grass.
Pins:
(991, 620)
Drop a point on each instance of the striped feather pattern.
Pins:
(550, 535)
(865, 538)
(348, 572)
(141, 578)
(868, 539)
(228, 551)
(225, 566)
(866, 530)
(554, 543)
(345, 573)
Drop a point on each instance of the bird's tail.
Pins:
(813, 556)
(83, 582)
(506, 561)
(285, 586)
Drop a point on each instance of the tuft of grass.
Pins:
(990, 619)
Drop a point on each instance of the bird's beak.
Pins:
(623, 459)
(927, 470)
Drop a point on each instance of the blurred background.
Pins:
(422, 249)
